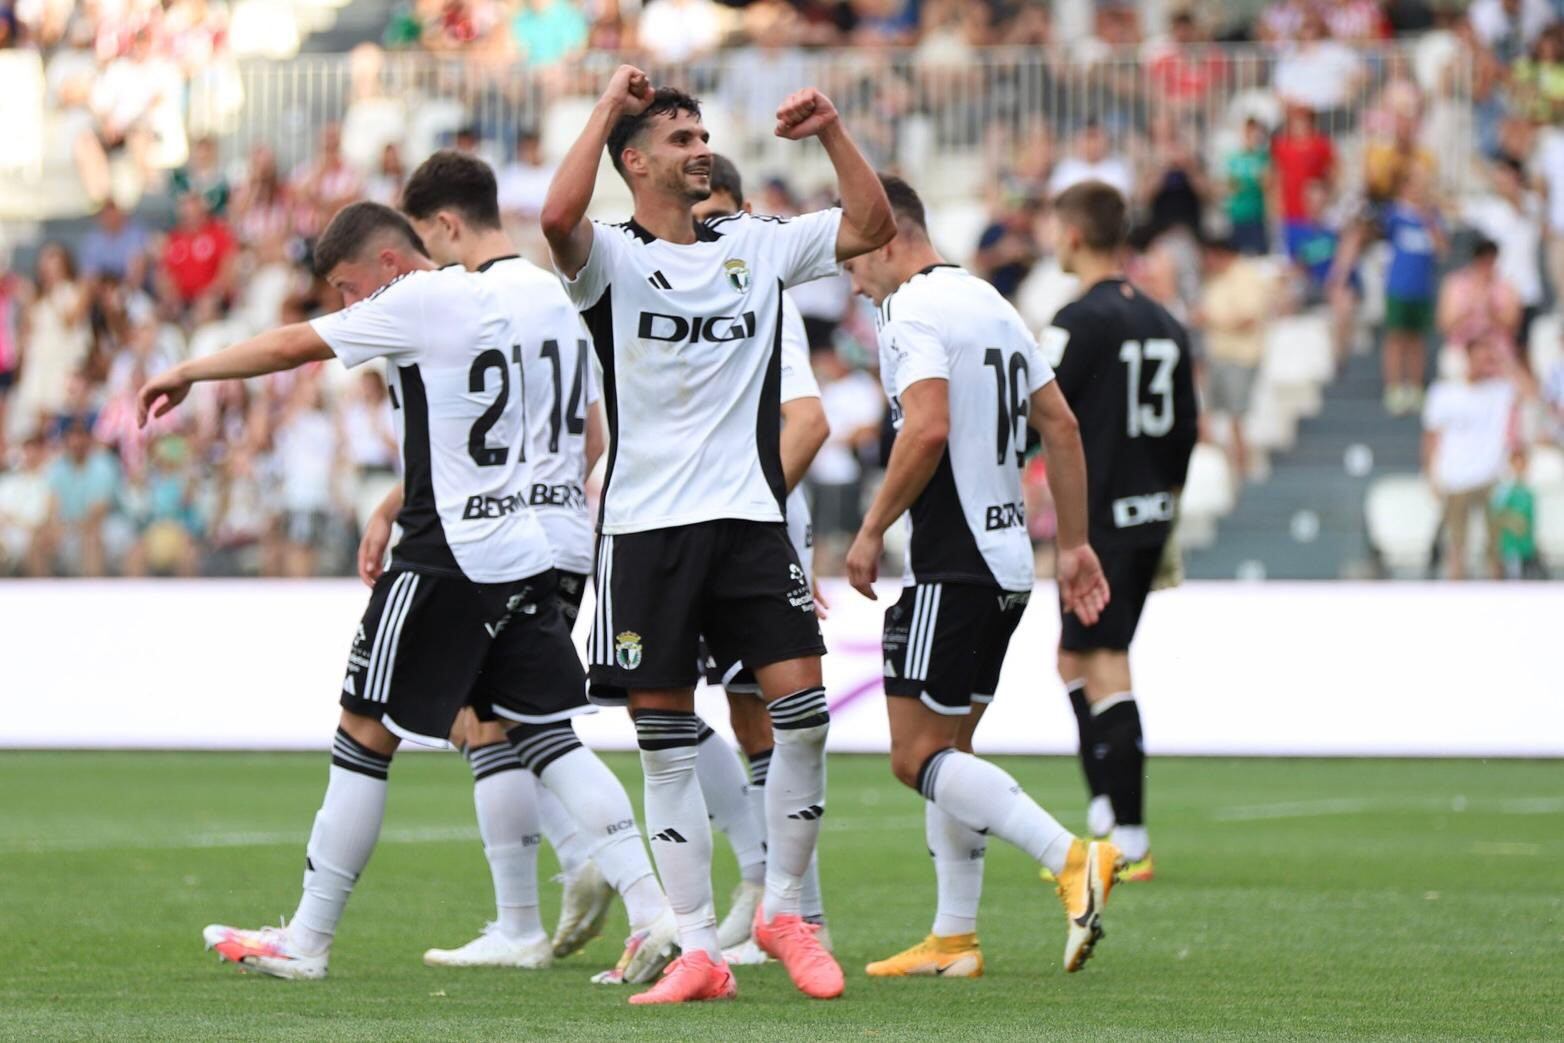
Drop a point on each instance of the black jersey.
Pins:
(1123, 364)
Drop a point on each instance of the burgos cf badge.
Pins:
(738, 274)
(627, 650)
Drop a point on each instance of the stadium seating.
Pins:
(1208, 495)
(1403, 523)
(1550, 529)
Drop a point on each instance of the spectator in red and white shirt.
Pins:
(325, 185)
(198, 254)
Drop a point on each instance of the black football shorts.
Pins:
(945, 643)
(1130, 572)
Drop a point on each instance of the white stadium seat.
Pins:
(1545, 468)
(1550, 528)
(1545, 344)
(1298, 360)
(1208, 495)
(1403, 522)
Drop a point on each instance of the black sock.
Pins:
(1091, 768)
(1121, 754)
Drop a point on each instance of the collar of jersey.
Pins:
(491, 262)
(703, 233)
(932, 267)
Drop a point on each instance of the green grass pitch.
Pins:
(1295, 900)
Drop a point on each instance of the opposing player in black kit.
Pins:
(965, 382)
(686, 320)
(1123, 363)
(465, 616)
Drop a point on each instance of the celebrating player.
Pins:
(453, 204)
(466, 614)
(965, 380)
(739, 810)
(1123, 364)
(685, 318)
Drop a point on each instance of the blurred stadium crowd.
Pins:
(1325, 189)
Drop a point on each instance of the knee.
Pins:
(369, 733)
(907, 761)
(802, 717)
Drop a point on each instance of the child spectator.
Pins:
(1513, 515)
(1416, 238)
(1248, 171)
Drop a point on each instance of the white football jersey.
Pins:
(453, 351)
(560, 387)
(689, 341)
(969, 524)
(798, 381)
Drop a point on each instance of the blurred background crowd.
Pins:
(1357, 207)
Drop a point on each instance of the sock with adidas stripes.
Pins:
(677, 824)
(795, 795)
(983, 797)
(958, 852)
(727, 799)
(505, 796)
(599, 807)
(341, 841)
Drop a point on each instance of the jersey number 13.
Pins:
(1152, 418)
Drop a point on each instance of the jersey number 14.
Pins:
(1155, 418)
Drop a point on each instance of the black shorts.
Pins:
(945, 643)
(431, 644)
(572, 588)
(728, 674)
(1130, 572)
(738, 583)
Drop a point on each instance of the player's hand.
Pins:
(629, 90)
(160, 395)
(1083, 589)
(803, 114)
(863, 563)
(372, 548)
(822, 606)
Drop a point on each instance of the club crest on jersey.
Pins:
(627, 650)
(738, 274)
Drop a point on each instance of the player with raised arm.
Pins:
(466, 614)
(1124, 365)
(452, 202)
(685, 319)
(965, 381)
(739, 810)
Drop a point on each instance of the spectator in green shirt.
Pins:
(1247, 172)
(1513, 514)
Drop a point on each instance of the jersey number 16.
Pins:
(1012, 387)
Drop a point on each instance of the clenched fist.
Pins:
(804, 114)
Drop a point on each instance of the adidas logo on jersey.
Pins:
(672, 836)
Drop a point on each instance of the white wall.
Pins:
(1221, 668)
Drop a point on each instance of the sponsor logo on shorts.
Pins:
(1142, 510)
(627, 649)
(1001, 516)
(492, 506)
(1013, 599)
(800, 597)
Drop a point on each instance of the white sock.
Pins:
(600, 808)
(505, 797)
(559, 829)
(984, 797)
(811, 903)
(795, 795)
(958, 852)
(759, 768)
(1132, 841)
(346, 828)
(727, 798)
(677, 823)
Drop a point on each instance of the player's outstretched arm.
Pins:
(804, 430)
(1083, 589)
(271, 352)
(915, 456)
(563, 217)
(867, 221)
(377, 536)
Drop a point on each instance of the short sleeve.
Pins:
(806, 246)
(914, 343)
(798, 379)
(1436, 410)
(386, 324)
(608, 244)
(1039, 371)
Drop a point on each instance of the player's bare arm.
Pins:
(1083, 589)
(867, 221)
(377, 536)
(915, 456)
(272, 352)
(563, 218)
(804, 431)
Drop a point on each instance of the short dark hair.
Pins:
(666, 101)
(725, 178)
(351, 230)
(905, 203)
(1098, 210)
(1484, 247)
(452, 180)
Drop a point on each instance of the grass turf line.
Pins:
(1295, 900)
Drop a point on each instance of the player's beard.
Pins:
(679, 183)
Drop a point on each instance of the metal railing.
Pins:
(942, 116)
